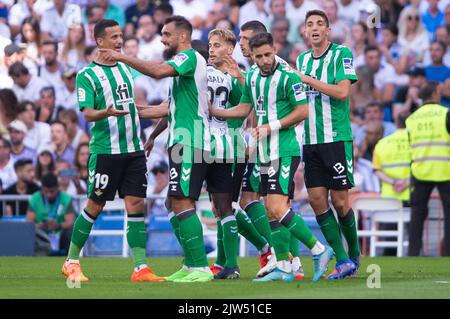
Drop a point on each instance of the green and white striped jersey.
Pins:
(227, 140)
(273, 97)
(99, 86)
(188, 101)
(329, 118)
(277, 58)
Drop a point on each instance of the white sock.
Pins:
(296, 263)
(264, 250)
(140, 267)
(72, 261)
(204, 269)
(284, 265)
(318, 248)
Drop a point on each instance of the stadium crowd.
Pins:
(397, 45)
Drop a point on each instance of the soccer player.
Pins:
(117, 161)
(275, 93)
(327, 73)
(251, 181)
(188, 140)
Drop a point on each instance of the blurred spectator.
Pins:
(45, 164)
(23, 9)
(57, 19)
(365, 179)
(17, 130)
(90, 53)
(358, 42)
(68, 94)
(30, 36)
(407, 97)
(389, 47)
(14, 53)
(429, 137)
(433, 17)
(53, 213)
(72, 53)
(94, 13)
(195, 11)
(150, 46)
(392, 160)
(81, 161)
(447, 15)
(60, 142)
(68, 179)
(113, 12)
(253, 10)
(442, 34)
(389, 10)
(384, 74)
(162, 12)
(339, 29)
(25, 185)
(280, 30)
(374, 133)
(38, 133)
(7, 173)
(75, 134)
(439, 72)
(26, 86)
(8, 109)
(134, 12)
(348, 11)
(160, 171)
(50, 71)
(47, 110)
(362, 91)
(233, 17)
(374, 113)
(219, 11)
(413, 38)
(296, 12)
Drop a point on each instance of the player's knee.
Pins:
(339, 205)
(94, 208)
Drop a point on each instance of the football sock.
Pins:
(349, 229)
(220, 259)
(81, 230)
(296, 263)
(294, 246)
(257, 213)
(187, 261)
(230, 240)
(332, 233)
(298, 228)
(137, 237)
(280, 238)
(248, 230)
(192, 233)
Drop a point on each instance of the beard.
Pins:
(169, 53)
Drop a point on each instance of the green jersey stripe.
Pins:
(202, 105)
(326, 106)
(275, 90)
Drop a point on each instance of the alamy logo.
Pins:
(339, 168)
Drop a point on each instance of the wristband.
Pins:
(274, 125)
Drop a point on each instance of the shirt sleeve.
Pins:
(246, 91)
(376, 163)
(184, 63)
(85, 91)
(344, 66)
(294, 90)
(236, 92)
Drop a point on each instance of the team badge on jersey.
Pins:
(348, 66)
(299, 93)
(180, 58)
(81, 95)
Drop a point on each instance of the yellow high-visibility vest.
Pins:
(394, 155)
(430, 143)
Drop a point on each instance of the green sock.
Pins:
(280, 238)
(349, 229)
(192, 233)
(220, 259)
(230, 240)
(187, 261)
(81, 230)
(294, 247)
(297, 226)
(248, 230)
(137, 238)
(332, 233)
(257, 213)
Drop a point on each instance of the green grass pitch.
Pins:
(40, 277)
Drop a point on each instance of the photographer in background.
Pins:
(68, 179)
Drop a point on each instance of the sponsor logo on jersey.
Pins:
(180, 58)
(339, 168)
(173, 173)
(299, 93)
(98, 192)
(348, 65)
(123, 93)
(271, 171)
(81, 95)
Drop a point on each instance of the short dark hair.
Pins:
(371, 48)
(319, 13)
(53, 43)
(180, 23)
(201, 48)
(165, 7)
(375, 104)
(392, 28)
(18, 69)
(90, 9)
(68, 113)
(21, 163)
(49, 180)
(6, 142)
(261, 39)
(49, 88)
(427, 90)
(89, 49)
(22, 107)
(59, 122)
(130, 38)
(255, 26)
(100, 27)
(441, 44)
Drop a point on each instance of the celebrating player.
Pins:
(275, 93)
(117, 161)
(327, 72)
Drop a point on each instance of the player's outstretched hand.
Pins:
(232, 67)
(112, 111)
(148, 146)
(109, 55)
(260, 132)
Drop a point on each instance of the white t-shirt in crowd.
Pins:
(20, 11)
(386, 75)
(57, 25)
(38, 137)
(151, 51)
(32, 90)
(8, 174)
(249, 12)
(349, 13)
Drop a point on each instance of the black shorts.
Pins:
(219, 178)
(277, 177)
(238, 175)
(329, 165)
(251, 181)
(187, 171)
(111, 173)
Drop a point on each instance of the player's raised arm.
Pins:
(340, 91)
(240, 111)
(153, 111)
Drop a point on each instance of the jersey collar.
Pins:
(271, 72)
(105, 65)
(324, 53)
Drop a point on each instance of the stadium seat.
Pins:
(16, 238)
(161, 239)
(376, 210)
